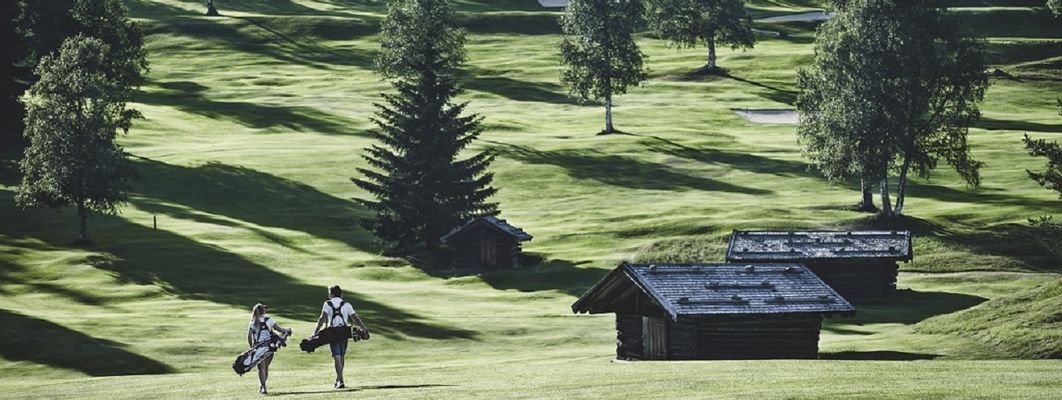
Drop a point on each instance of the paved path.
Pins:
(782, 117)
(808, 16)
(553, 3)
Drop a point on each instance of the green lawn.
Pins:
(255, 123)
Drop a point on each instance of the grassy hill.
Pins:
(256, 121)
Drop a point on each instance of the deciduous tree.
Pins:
(893, 87)
(691, 23)
(422, 188)
(73, 113)
(598, 51)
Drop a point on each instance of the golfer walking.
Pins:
(338, 314)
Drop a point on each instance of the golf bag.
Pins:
(332, 335)
(249, 359)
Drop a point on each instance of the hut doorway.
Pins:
(654, 338)
(488, 252)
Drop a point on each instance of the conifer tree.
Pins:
(598, 51)
(73, 114)
(422, 188)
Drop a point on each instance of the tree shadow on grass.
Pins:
(257, 36)
(187, 269)
(13, 275)
(772, 93)
(1019, 126)
(879, 355)
(188, 96)
(561, 275)
(619, 170)
(44, 342)
(1016, 241)
(909, 307)
(360, 388)
(251, 196)
(745, 161)
(515, 89)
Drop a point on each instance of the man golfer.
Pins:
(338, 314)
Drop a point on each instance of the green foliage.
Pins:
(598, 50)
(422, 189)
(419, 32)
(73, 113)
(10, 89)
(1056, 7)
(689, 23)
(1052, 177)
(893, 87)
(45, 25)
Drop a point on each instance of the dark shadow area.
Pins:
(44, 342)
(907, 307)
(745, 161)
(561, 275)
(539, 23)
(544, 92)
(297, 44)
(244, 194)
(13, 275)
(1022, 126)
(188, 269)
(878, 355)
(10, 154)
(1020, 242)
(619, 170)
(188, 96)
(702, 74)
(358, 389)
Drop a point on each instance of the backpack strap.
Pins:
(337, 312)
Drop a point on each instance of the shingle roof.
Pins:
(719, 289)
(808, 245)
(493, 222)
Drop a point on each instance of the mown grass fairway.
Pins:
(256, 121)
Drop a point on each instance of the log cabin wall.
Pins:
(732, 338)
(857, 279)
(629, 343)
(469, 251)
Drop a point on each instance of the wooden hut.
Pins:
(714, 311)
(486, 242)
(857, 264)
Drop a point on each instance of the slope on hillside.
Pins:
(1024, 325)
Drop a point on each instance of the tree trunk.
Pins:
(211, 11)
(82, 226)
(867, 204)
(710, 66)
(608, 116)
(901, 189)
(886, 208)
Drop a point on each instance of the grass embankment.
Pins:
(255, 123)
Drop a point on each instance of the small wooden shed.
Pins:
(486, 242)
(857, 264)
(714, 311)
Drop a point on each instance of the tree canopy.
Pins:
(419, 32)
(598, 50)
(10, 89)
(73, 113)
(690, 23)
(422, 188)
(893, 87)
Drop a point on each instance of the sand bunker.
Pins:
(781, 117)
(808, 16)
(553, 3)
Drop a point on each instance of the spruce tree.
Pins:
(73, 114)
(422, 189)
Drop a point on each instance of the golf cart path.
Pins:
(766, 116)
